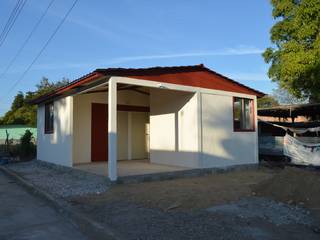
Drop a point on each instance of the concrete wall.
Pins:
(173, 128)
(82, 123)
(56, 147)
(221, 145)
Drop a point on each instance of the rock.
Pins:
(173, 206)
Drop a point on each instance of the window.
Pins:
(243, 116)
(48, 122)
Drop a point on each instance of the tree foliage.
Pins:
(295, 55)
(267, 101)
(21, 112)
(282, 96)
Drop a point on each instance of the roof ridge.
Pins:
(153, 68)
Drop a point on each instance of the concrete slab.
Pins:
(129, 168)
(23, 216)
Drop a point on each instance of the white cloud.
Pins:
(110, 31)
(96, 28)
(248, 76)
(243, 50)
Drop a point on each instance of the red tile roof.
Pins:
(195, 76)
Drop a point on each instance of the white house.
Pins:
(187, 116)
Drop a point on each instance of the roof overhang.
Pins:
(88, 81)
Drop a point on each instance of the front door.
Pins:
(99, 132)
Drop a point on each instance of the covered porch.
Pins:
(125, 127)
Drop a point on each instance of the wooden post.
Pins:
(112, 130)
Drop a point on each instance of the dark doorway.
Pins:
(99, 132)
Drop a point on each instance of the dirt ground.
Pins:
(289, 185)
(188, 194)
(247, 204)
(292, 185)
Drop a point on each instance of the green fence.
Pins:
(15, 132)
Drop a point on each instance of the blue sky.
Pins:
(227, 36)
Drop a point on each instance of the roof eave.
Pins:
(59, 91)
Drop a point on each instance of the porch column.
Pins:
(112, 130)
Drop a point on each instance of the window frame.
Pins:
(48, 128)
(253, 117)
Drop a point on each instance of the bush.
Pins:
(27, 149)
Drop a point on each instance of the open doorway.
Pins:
(133, 132)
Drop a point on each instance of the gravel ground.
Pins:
(60, 181)
(132, 221)
(266, 209)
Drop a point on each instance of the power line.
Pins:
(12, 14)
(44, 47)
(27, 40)
(12, 22)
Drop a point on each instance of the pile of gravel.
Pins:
(59, 180)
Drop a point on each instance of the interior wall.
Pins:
(221, 145)
(56, 147)
(139, 134)
(82, 122)
(122, 135)
(173, 128)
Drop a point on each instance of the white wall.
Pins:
(173, 128)
(221, 145)
(82, 125)
(56, 147)
(82, 122)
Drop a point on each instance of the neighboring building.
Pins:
(291, 113)
(186, 116)
(297, 116)
(15, 132)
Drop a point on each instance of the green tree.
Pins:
(267, 101)
(18, 101)
(46, 86)
(21, 112)
(295, 55)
